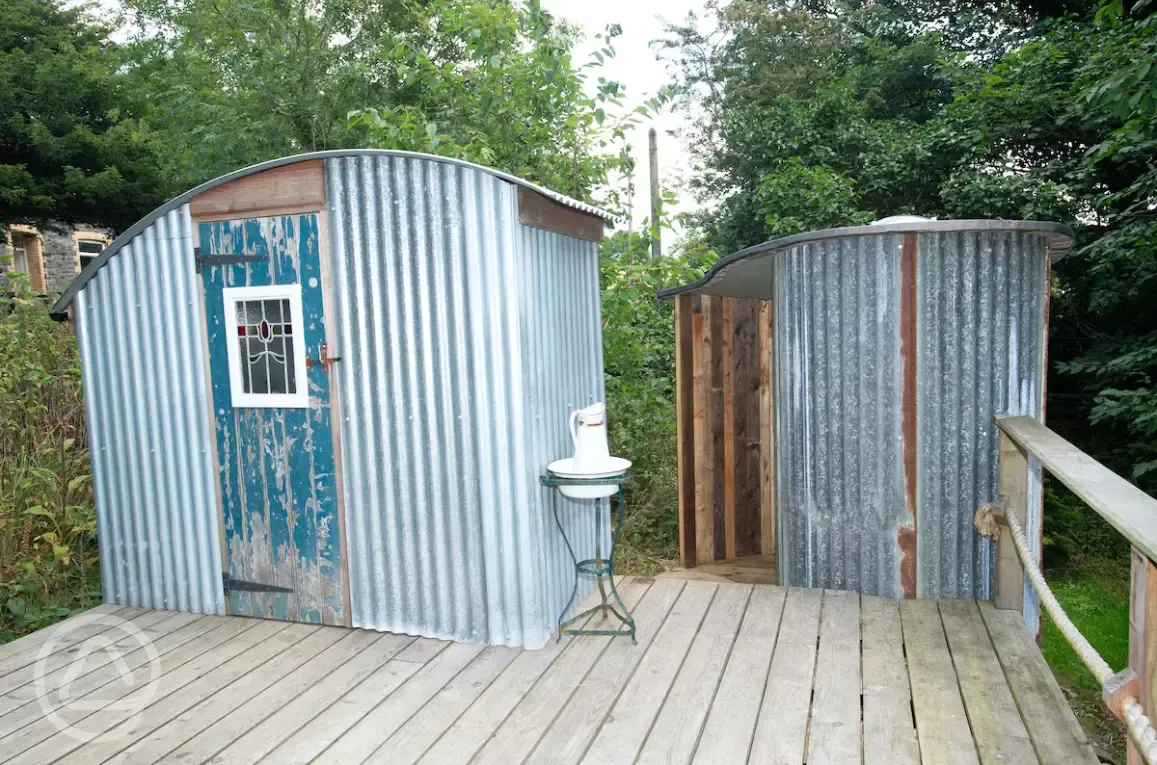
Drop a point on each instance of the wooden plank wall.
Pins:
(725, 418)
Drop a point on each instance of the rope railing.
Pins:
(988, 520)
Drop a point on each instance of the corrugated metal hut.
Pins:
(323, 388)
(836, 393)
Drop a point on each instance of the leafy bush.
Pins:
(639, 361)
(48, 558)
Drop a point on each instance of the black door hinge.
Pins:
(218, 259)
(238, 585)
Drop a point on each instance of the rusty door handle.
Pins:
(325, 361)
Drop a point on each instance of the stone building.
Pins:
(51, 257)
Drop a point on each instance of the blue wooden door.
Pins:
(271, 404)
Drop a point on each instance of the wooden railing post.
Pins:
(1013, 490)
(1143, 635)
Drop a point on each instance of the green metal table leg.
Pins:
(598, 568)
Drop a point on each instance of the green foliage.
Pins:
(797, 198)
(514, 100)
(233, 82)
(827, 114)
(1095, 595)
(1074, 535)
(72, 146)
(48, 556)
(639, 360)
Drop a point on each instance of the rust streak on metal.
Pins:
(906, 539)
(907, 533)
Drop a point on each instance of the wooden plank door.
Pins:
(266, 325)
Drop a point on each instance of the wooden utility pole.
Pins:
(656, 200)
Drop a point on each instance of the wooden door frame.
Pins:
(328, 307)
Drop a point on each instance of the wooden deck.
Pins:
(722, 673)
(750, 569)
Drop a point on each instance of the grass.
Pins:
(1094, 592)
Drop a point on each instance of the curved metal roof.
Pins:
(130, 233)
(741, 275)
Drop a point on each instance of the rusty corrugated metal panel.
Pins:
(840, 489)
(465, 340)
(143, 364)
(981, 339)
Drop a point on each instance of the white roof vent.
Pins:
(901, 219)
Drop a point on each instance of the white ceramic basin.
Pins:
(565, 469)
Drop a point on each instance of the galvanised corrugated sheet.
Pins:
(980, 333)
(444, 527)
(143, 362)
(840, 489)
(562, 365)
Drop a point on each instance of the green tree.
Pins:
(234, 82)
(513, 98)
(639, 365)
(829, 114)
(72, 146)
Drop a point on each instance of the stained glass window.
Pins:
(267, 346)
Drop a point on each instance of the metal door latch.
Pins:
(237, 585)
(325, 361)
(218, 259)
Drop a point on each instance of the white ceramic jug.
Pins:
(588, 429)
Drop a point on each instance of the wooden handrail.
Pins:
(1130, 510)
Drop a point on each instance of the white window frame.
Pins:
(19, 261)
(241, 399)
(81, 256)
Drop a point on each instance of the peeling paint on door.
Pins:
(276, 465)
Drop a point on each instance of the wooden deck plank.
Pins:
(1056, 735)
(781, 730)
(296, 684)
(18, 669)
(565, 744)
(625, 728)
(521, 730)
(420, 732)
(90, 666)
(266, 736)
(189, 723)
(676, 730)
(471, 730)
(38, 638)
(997, 729)
(15, 706)
(834, 733)
(474, 726)
(750, 569)
(196, 680)
(28, 725)
(332, 724)
(722, 674)
(889, 730)
(731, 720)
(941, 723)
(364, 738)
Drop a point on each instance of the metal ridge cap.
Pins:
(1060, 240)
